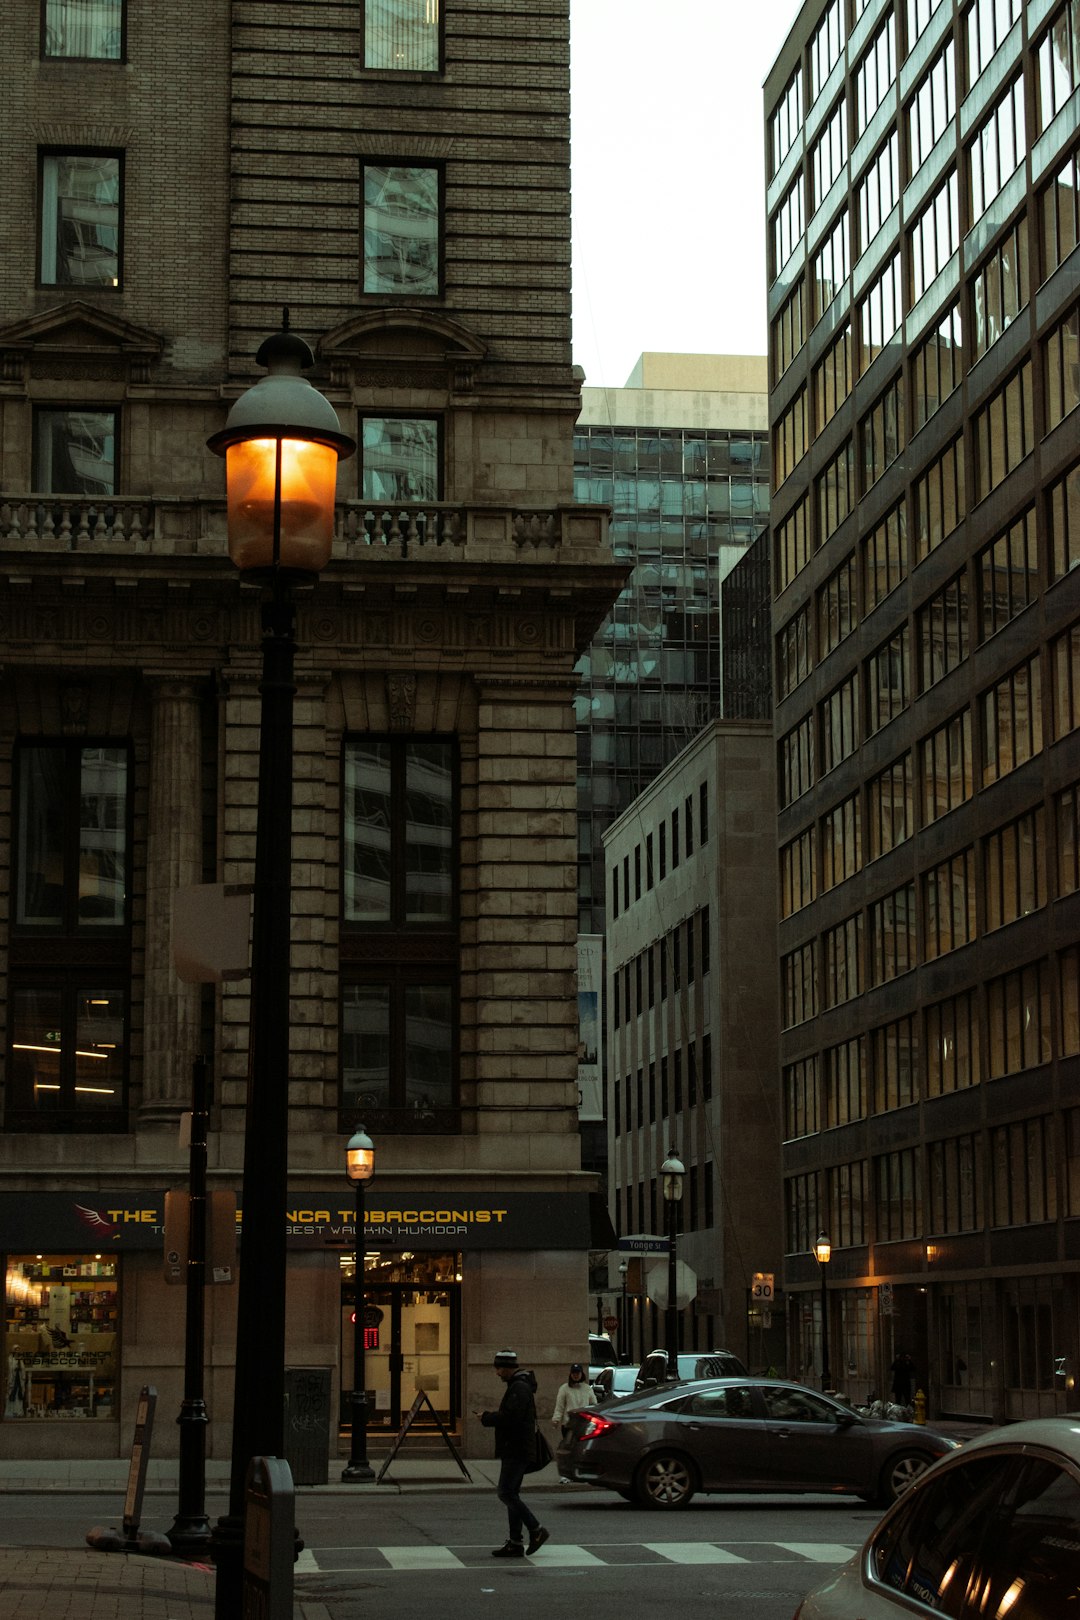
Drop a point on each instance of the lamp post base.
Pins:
(357, 1473)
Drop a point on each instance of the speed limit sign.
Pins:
(763, 1290)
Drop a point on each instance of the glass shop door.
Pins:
(411, 1322)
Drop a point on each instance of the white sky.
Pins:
(668, 177)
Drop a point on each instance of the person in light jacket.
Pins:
(573, 1395)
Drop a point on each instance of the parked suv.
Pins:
(601, 1354)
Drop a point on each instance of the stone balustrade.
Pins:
(131, 528)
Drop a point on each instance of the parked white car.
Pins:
(992, 1530)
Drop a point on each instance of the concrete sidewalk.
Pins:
(110, 1475)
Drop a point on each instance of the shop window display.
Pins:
(60, 1353)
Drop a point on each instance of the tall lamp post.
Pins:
(359, 1167)
(672, 1172)
(281, 442)
(626, 1348)
(823, 1253)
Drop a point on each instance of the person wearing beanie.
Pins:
(515, 1444)
(573, 1395)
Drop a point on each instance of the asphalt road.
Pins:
(725, 1558)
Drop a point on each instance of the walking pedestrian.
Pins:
(572, 1396)
(903, 1371)
(515, 1447)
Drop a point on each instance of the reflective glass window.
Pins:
(1059, 210)
(829, 153)
(934, 237)
(932, 108)
(999, 289)
(1058, 59)
(81, 206)
(986, 23)
(997, 149)
(876, 193)
(91, 29)
(831, 267)
(826, 44)
(936, 366)
(75, 452)
(402, 34)
(875, 73)
(402, 208)
(786, 121)
(399, 459)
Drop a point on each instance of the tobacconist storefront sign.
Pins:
(395, 1218)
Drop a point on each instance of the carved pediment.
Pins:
(376, 345)
(81, 334)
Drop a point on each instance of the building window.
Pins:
(1014, 869)
(940, 500)
(946, 767)
(89, 29)
(936, 367)
(402, 218)
(949, 905)
(1065, 525)
(831, 380)
(894, 1061)
(67, 1064)
(835, 490)
(997, 149)
(932, 108)
(831, 268)
(789, 439)
(999, 291)
(72, 838)
(826, 45)
(399, 941)
(81, 204)
(892, 935)
(802, 1210)
(829, 153)
(788, 331)
(787, 225)
(400, 459)
(845, 1082)
(801, 1098)
(841, 843)
(1011, 714)
(837, 607)
(1069, 1001)
(840, 723)
(888, 681)
(792, 544)
(1018, 1020)
(1008, 575)
(986, 24)
(877, 193)
(881, 433)
(793, 653)
(1065, 683)
(898, 1196)
(875, 73)
(890, 810)
(797, 761)
(885, 556)
(1058, 60)
(879, 313)
(1024, 1159)
(842, 956)
(919, 13)
(75, 452)
(798, 884)
(951, 1044)
(786, 122)
(848, 1204)
(942, 631)
(1059, 206)
(703, 813)
(60, 1344)
(402, 35)
(799, 989)
(1061, 365)
(955, 1204)
(934, 237)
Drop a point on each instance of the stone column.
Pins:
(173, 859)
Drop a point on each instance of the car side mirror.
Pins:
(844, 1420)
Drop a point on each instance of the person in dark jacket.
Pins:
(515, 1447)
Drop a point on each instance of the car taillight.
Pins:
(593, 1424)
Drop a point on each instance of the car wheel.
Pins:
(665, 1480)
(899, 1472)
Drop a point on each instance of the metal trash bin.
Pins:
(307, 1424)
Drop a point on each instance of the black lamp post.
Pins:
(823, 1253)
(672, 1173)
(281, 442)
(359, 1167)
(626, 1348)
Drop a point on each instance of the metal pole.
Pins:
(259, 1389)
(626, 1341)
(358, 1467)
(826, 1379)
(672, 1314)
(190, 1530)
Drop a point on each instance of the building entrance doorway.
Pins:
(412, 1326)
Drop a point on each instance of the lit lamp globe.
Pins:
(823, 1249)
(360, 1157)
(282, 442)
(672, 1171)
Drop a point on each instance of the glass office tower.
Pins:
(923, 202)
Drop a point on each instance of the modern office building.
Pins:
(924, 300)
(681, 455)
(397, 175)
(691, 1038)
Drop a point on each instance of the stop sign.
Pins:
(610, 1324)
(656, 1285)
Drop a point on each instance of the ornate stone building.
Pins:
(401, 183)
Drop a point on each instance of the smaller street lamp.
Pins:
(672, 1171)
(359, 1168)
(823, 1254)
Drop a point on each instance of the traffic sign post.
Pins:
(656, 1286)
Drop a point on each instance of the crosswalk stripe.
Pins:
(565, 1556)
(818, 1552)
(421, 1558)
(306, 1561)
(693, 1552)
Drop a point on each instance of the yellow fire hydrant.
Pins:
(920, 1406)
